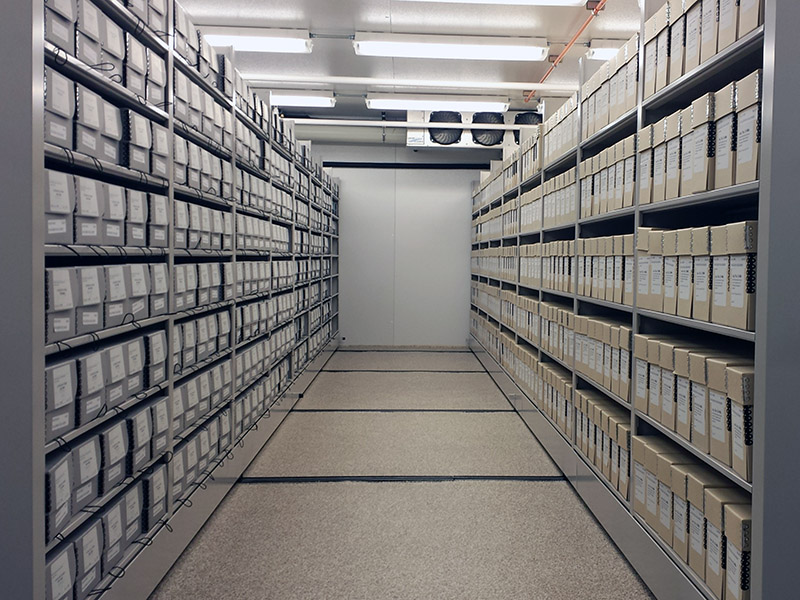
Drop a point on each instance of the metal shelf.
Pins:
(553, 228)
(695, 82)
(64, 440)
(549, 355)
(732, 332)
(184, 192)
(532, 181)
(251, 124)
(193, 74)
(620, 213)
(253, 169)
(82, 164)
(706, 458)
(133, 24)
(199, 366)
(102, 251)
(603, 390)
(202, 309)
(713, 197)
(97, 336)
(94, 80)
(566, 295)
(613, 131)
(198, 138)
(562, 163)
(201, 253)
(201, 421)
(605, 303)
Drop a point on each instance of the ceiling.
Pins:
(334, 56)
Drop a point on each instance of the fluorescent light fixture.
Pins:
(302, 98)
(511, 2)
(402, 45)
(430, 103)
(252, 39)
(601, 53)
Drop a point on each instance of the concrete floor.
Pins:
(514, 530)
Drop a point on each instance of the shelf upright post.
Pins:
(576, 237)
(776, 443)
(22, 299)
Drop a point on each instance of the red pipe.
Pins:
(569, 46)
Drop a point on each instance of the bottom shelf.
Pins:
(146, 570)
(654, 565)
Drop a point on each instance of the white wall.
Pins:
(404, 253)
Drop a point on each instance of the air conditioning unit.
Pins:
(458, 137)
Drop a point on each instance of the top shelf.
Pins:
(193, 74)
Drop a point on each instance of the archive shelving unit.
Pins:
(772, 47)
(24, 354)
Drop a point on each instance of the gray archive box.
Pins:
(59, 206)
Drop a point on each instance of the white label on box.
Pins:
(662, 46)
(138, 281)
(718, 405)
(659, 167)
(644, 170)
(656, 275)
(94, 404)
(639, 482)
(687, 165)
(114, 529)
(727, 14)
(720, 283)
(667, 392)
(709, 21)
(665, 505)
(89, 229)
(162, 417)
(682, 397)
(714, 547)
(117, 363)
(63, 486)
(738, 280)
(58, 131)
(673, 158)
(114, 39)
(138, 155)
(59, 193)
(90, 23)
(655, 386)
(111, 120)
(60, 576)
(160, 279)
(157, 353)
(90, 286)
(191, 394)
(62, 289)
(733, 571)
(87, 459)
(116, 445)
(623, 466)
(649, 61)
(94, 373)
(116, 203)
(652, 494)
(90, 111)
(700, 151)
(696, 527)
(685, 266)
(191, 455)
(91, 548)
(641, 378)
(746, 135)
(132, 508)
(679, 507)
(63, 388)
(112, 230)
(157, 487)
(110, 150)
(115, 310)
(724, 138)
(737, 430)
(701, 264)
(670, 266)
(55, 226)
(692, 37)
(644, 275)
(699, 401)
(135, 357)
(88, 205)
(116, 284)
(59, 99)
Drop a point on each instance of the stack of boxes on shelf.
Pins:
(560, 197)
(605, 268)
(530, 217)
(561, 130)
(612, 91)
(608, 179)
(530, 150)
(703, 273)
(112, 415)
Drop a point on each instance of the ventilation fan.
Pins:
(488, 137)
(526, 118)
(445, 137)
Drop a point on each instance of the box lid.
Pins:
(748, 90)
(725, 101)
(703, 110)
(739, 525)
(742, 238)
(740, 380)
(715, 500)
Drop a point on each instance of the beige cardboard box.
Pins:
(670, 285)
(683, 390)
(673, 168)
(677, 33)
(709, 29)
(728, 23)
(685, 273)
(719, 270)
(725, 159)
(624, 443)
(624, 362)
(697, 484)
(641, 373)
(619, 268)
(616, 201)
(666, 360)
(719, 406)
(645, 171)
(687, 152)
(741, 243)
(738, 528)
(664, 526)
(751, 15)
(691, 59)
(632, 74)
(703, 154)
(740, 392)
(680, 505)
(629, 170)
(643, 266)
(653, 453)
(645, 483)
(701, 415)
(655, 251)
(659, 160)
(662, 47)
(654, 379)
(748, 127)
(701, 241)
(716, 499)
(629, 260)
(651, 31)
